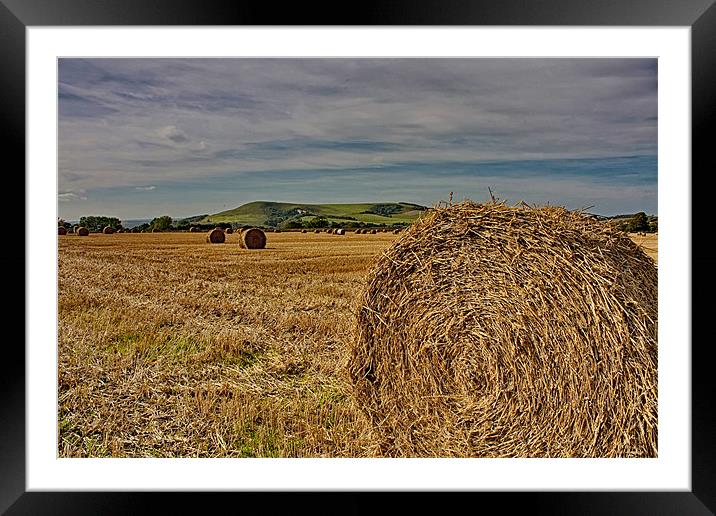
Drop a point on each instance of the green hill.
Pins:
(265, 213)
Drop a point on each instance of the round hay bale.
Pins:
(493, 331)
(61, 230)
(228, 231)
(303, 231)
(215, 236)
(82, 231)
(317, 231)
(396, 231)
(340, 231)
(252, 238)
(373, 231)
(108, 230)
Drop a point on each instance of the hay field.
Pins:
(172, 347)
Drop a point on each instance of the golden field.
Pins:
(172, 347)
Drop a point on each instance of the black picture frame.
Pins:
(699, 15)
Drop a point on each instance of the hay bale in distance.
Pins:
(193, 229)
(82, 231)
(303, 231)
(228, 231)
(373, 231)
(215, 236)
(317, 231)
(340, 231)
(252, 238)
(496, 331)
(108, 230)
(396, 231)
(61, 230)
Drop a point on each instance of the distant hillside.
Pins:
(192, 219)
(265, 213)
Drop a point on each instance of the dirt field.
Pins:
(171, 347)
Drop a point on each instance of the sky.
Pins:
(144, 137)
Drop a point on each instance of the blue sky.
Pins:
(139, 138)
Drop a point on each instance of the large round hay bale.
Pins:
(493, 331)
(61, 230)
(215, 236)
(108, 230)
(228, 231)
(82, 231)
(340, 231)
(252, 238)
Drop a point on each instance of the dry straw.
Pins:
(215, 236)
(252, 238)
(61, 230)
(496, 331)
(82, 231)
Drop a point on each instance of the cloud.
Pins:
(146, 188)
(127, 123)
(71, 196)
(173, 133)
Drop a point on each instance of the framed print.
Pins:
(162, 362)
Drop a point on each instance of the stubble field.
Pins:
(172, 347)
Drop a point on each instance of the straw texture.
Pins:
(497, 331)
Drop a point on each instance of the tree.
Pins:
(96, 223)
(161, 223)
(291, 224)
(639, 222)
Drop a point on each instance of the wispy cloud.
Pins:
(146, 188)
(71, 196)
(127, 123)
(173, 133)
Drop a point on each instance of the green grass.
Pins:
(258, 212)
